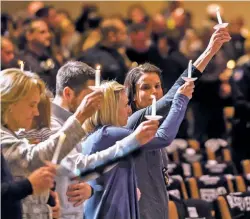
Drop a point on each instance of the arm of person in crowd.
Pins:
(166, 132)
(218, 38)
(80, 191)
(15, 191)
(170, 126)
(130, 142)
(32, 156)
(38, 182)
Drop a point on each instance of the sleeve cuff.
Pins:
(92, 191)
(26, 187)
(195, 72)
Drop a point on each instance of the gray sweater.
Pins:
(23, 158)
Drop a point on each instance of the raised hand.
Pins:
(146, 131)
(89, 105)
(187, 89)
(219, 37)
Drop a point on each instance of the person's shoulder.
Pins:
(5, 131)
(104, 137)
(55, 123)
(90, 51)
(7, 137)
(109, 132)
(115, 131)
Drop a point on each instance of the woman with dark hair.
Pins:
(142, 82)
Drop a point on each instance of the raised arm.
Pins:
(19, 152)
(170, 126)
(76, 161)
(124, 141)
(218, 38)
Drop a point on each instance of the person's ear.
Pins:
(68, 94)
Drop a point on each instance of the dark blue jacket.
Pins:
(12, 192)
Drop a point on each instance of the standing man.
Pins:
(37, 55)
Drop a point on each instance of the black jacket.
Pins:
(45, 65)
(12, 192)
(112, 63)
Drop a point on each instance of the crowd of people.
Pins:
(48, 64)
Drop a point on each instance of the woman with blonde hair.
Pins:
(20, 95)
(116, 194)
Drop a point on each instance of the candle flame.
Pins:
(98, 67)
(231, 64)
(21, 64)
(218, 9)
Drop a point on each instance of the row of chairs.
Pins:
(190, 151)
(207, 187)
(233, 205)
(198, 169)
(206, 177)
(230, 206)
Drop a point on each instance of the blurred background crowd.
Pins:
(44, 37)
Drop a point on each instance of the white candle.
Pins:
(21, 63)
(98, 76)
(218, 15)
(58, 148)
(190, 69)
(153, 105)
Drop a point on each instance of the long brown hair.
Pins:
(132, 78)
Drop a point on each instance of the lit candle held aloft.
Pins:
(98, 76)
(153, 105)
(190, 69)
(21, 64)
(218, 15)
